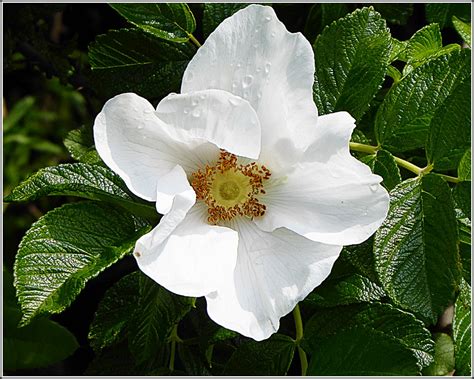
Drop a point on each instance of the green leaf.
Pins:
(366, 339)
(464, 168)
(443, 13)
(80, 144)
(269, 357)
(39, 344)
(82, 180)
(67, 247)
(113, 313)
(349, 290)
(463, 28)
(153, 68)
(322, 15)
(19, 110)
(416, 248)
(424, 45)
(465, 253)
(361, 257)
(383, 163)
(397, 14)
(450, 129)
(215, 13)
(443, 358)
(462, 330)
(403, 120)
(193, 360)
(157, 311)
(114, 361)
(398, 51)
(462, 197)
(352, 59)
(170, 21)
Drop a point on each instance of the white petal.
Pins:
(330, 196)
(217, 116)
(252, 55)
(185, 254)
(274, 272)
(137, 145)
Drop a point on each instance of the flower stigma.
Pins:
(230, 189)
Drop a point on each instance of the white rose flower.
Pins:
(258, 193)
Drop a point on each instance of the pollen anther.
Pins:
(230, 189)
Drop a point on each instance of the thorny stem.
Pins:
(299, 337)
(401, 162)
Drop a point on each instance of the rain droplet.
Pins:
(258, 69)
(203, 96)
(239, 65)
(374, 187)
(197, 113)
(234, 85)
(247, 81)
(267, 18)
(234, 102)
(259, 95)
(268, 66)
(140, 126)
(148, 111)
(189, 76)
(257, 30)
(273, 34)
(186, 111)
(194, 102)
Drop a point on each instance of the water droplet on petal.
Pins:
(194, 102)
(247, 81)
(374, 187)
(186, 111)
(203, 96)
(148, 111)
(239, 64)
(255, 45)
(257, 30)
(267, 18)
(233, 101)
(268, 66)
(273, 34)
(189, 76)
(140, 126)
(197, 113)
(259, 95)
(258, 69)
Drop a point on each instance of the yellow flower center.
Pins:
(230, 189)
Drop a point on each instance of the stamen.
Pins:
(230, 189)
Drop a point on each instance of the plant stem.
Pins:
(363, 148)
(194, 40)
(299, 337)
(173, 339)
(401, 162)
(448, 178)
